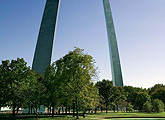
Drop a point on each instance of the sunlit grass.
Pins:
(109, 116)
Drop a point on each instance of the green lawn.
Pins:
(109, 116)
(102, 116)
(130, 115)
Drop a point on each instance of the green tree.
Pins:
(131, 94)
(122, 105)
(37, 93)
(4, 74)
(147, 107)
(32, 91)
(158, 105)
(52, 83)
(141, 98)
(159, 94)
(155, 87)
(129, 107)
(119, 97)
(106, 91)
(77, 70)
(12, 75)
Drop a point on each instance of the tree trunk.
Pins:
(114, 109)
(62, 109)
(36, 111)
(101, 109)
(17, 110)
(73, 109)
(13, 112)
(59, 110)
(31, 110)
(77, 117)
(117, 108)
(95, 110)
(50, 110)
(66, 110)
(106, 108)
(77, 112)
(69, 109)
(53, 112)
(84, 114)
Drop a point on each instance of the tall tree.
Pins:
(32, 91)
(106, 92)
(4, 76)
(52, 83)
(77, 71)
(13, 74)
(119, 98)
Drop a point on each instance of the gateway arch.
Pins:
(43, 52)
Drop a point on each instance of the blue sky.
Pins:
(139, 27)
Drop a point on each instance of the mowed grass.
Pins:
(109, 116)
(120, 114)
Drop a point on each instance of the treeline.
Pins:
(131, 99)
(68, 83)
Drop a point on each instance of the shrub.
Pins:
(147, 107)
(130, 107)
(158, 105)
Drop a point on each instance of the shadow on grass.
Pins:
(28, 117)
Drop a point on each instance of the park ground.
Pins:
(101, 116)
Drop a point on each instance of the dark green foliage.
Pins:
(52, 83)
(14, 75)
(111, 97)
(159, 94)
(147, 107)
(106, 91)
(131, 94)
(119, 98)
(155, 87)
(141, 98)
(158, 105)
(19, 85)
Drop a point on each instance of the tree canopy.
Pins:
(68, 83)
